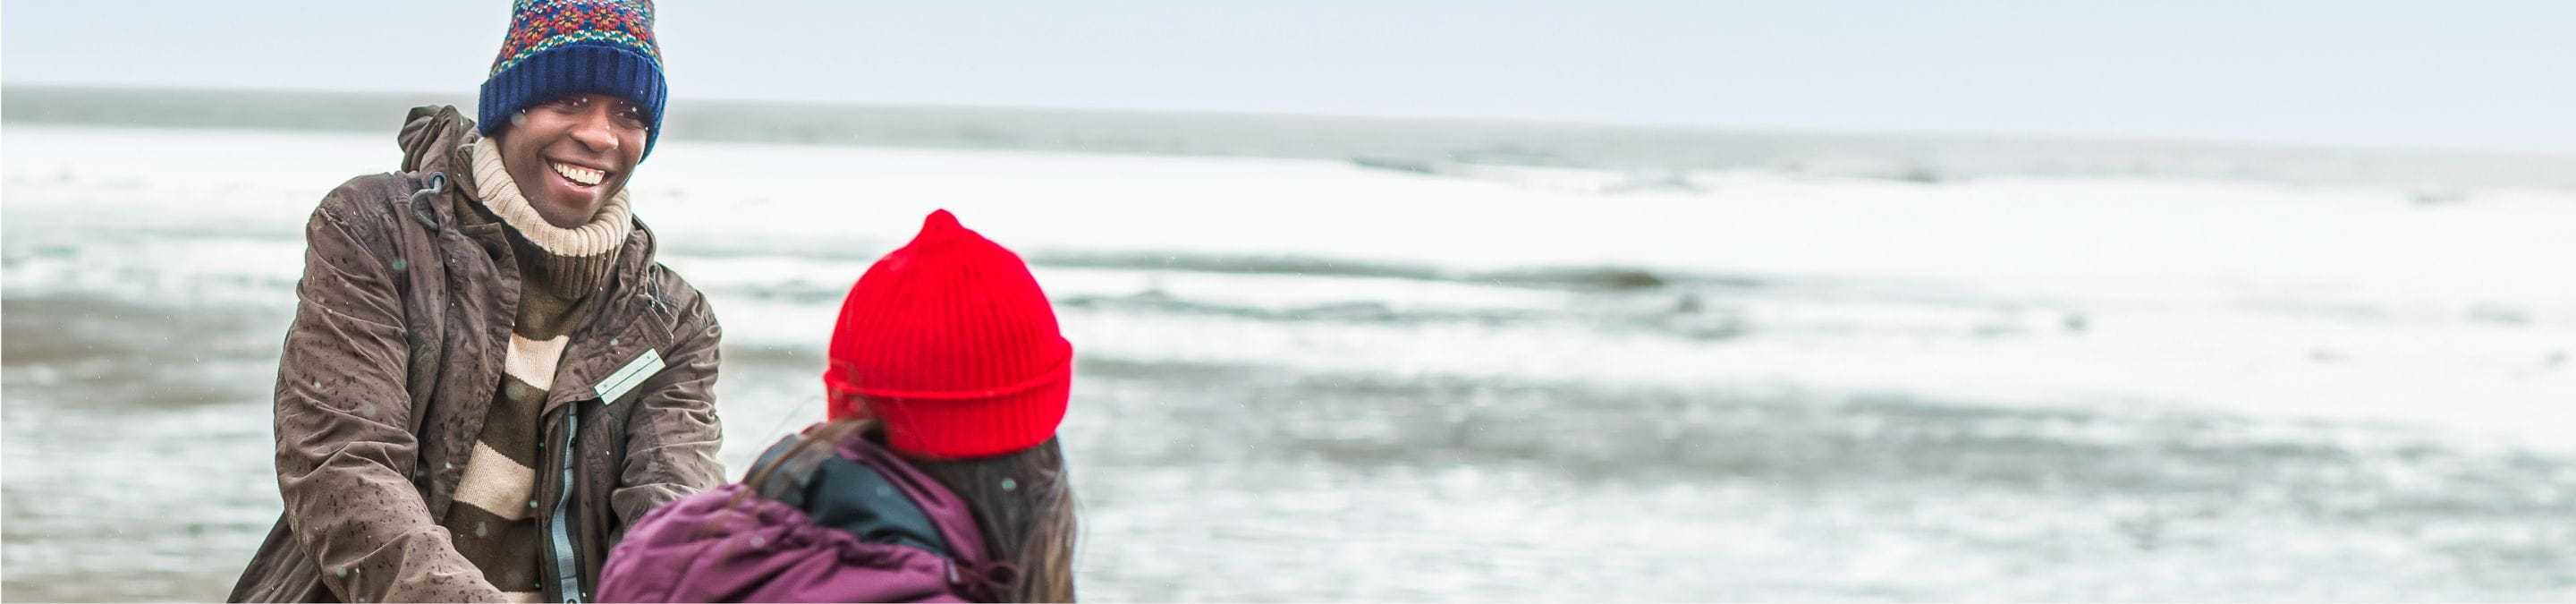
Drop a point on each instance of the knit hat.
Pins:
(560, 47)
(950, 344)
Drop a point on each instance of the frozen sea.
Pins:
(1318, 379)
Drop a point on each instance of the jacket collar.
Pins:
(431, 138)
(955, 520)
(837, 487)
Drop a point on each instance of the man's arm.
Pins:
(344, 453)
(673, 434)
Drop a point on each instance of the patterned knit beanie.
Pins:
(951, 345)
(559, 47)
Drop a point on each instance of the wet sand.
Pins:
(138, 470)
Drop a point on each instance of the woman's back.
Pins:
(843, 521)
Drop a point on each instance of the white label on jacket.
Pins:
(630, 376)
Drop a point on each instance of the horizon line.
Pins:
(466, 100)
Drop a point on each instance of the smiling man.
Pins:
(489, 378)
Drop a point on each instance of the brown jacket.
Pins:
(402, 320)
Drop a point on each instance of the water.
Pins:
(1321, 379)
(1623, 157)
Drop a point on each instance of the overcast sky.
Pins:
(2462, 75)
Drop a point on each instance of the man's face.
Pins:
(570, 154)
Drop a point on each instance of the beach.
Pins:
(1305, 378)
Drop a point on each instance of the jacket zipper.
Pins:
(567, 575)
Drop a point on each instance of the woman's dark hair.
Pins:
(1022, 500)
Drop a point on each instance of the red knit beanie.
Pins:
(949, 343)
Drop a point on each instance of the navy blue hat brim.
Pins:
(573, 69)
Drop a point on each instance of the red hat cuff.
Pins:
(973, 423)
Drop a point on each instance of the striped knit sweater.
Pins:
(495, 523)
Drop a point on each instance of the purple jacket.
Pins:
(852, 523)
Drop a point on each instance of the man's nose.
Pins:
(597, 131)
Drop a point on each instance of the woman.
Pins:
(938, 476)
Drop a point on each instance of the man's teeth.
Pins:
(579, 174)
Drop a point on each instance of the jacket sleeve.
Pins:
(344, 454)
(673, 433)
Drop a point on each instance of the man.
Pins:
(489, 378)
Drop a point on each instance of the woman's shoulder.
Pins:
(727, 544)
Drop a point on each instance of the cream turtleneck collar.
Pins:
(568, 263)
